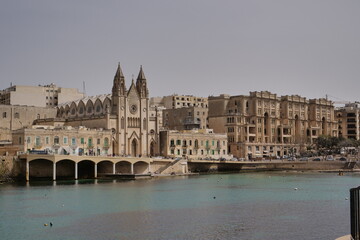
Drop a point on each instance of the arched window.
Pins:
(81, 110)
(89, 110)
(122, 123)
(144, 124)
(98, 108)
(38, 116)
(56, 140)
(4, 115)
(16, 115)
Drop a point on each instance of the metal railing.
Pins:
(355, 213)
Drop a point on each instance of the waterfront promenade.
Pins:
(78, 167)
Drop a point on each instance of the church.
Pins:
(134, 124)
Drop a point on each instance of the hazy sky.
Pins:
(305, 47)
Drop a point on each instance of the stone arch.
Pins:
(106, 105)
(267, 127)
(141, 167)
(323, 126)
(98, 107)
(89, 108)
(67, 111)
(86, 169)
(81, 108)
(60, 112)
(152, 148)
(105, 166)
(65, 169)
(40, 169)
(123, 167)
(297, 128)
(134, 148)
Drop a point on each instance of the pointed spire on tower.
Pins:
(119, 72)
(119, 82)
(141, 75)
(141, 84)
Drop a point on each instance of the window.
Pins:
(20, 140)
(122, 123)
(16, 115)
(65, 140)
(37, 141)
(56, 140)
(98, 141)
(144, 124)
(178, 142)
(28, 140)
(106, 142)
(73, 141)
(47, 140)
(4, 115)
(82, 141)
(98, 108)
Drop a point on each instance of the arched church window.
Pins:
(89, 110)
(73, 111)
(144, 124)
(98, 108)
(122, 123)
(81, 110)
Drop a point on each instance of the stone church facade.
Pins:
(126, 112)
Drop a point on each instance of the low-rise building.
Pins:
(64, 140)
(186, 118)
(38, 96)
(179, 101)
(193, 144)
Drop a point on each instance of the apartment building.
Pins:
(263, 124)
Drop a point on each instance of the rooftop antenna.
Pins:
(84, 90)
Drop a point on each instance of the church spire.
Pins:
(141, 75)
(141, 84)
(119, 83)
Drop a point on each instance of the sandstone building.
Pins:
(182, 112)
(193, 144)
(264, 125)
(63, 140)
(38, 96)
(348, 118)
(134, 124)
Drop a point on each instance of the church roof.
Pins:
(101, 97)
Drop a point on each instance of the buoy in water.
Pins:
(45, 224)
(295, 188)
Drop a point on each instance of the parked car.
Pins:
(342, 159)
(316, 159)
(303, 159)
(291, 158)
(330, 158)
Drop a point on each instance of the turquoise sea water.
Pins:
(225, 206)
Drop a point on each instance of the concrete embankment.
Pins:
(208, 167)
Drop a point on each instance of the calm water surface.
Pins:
(225, 206)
